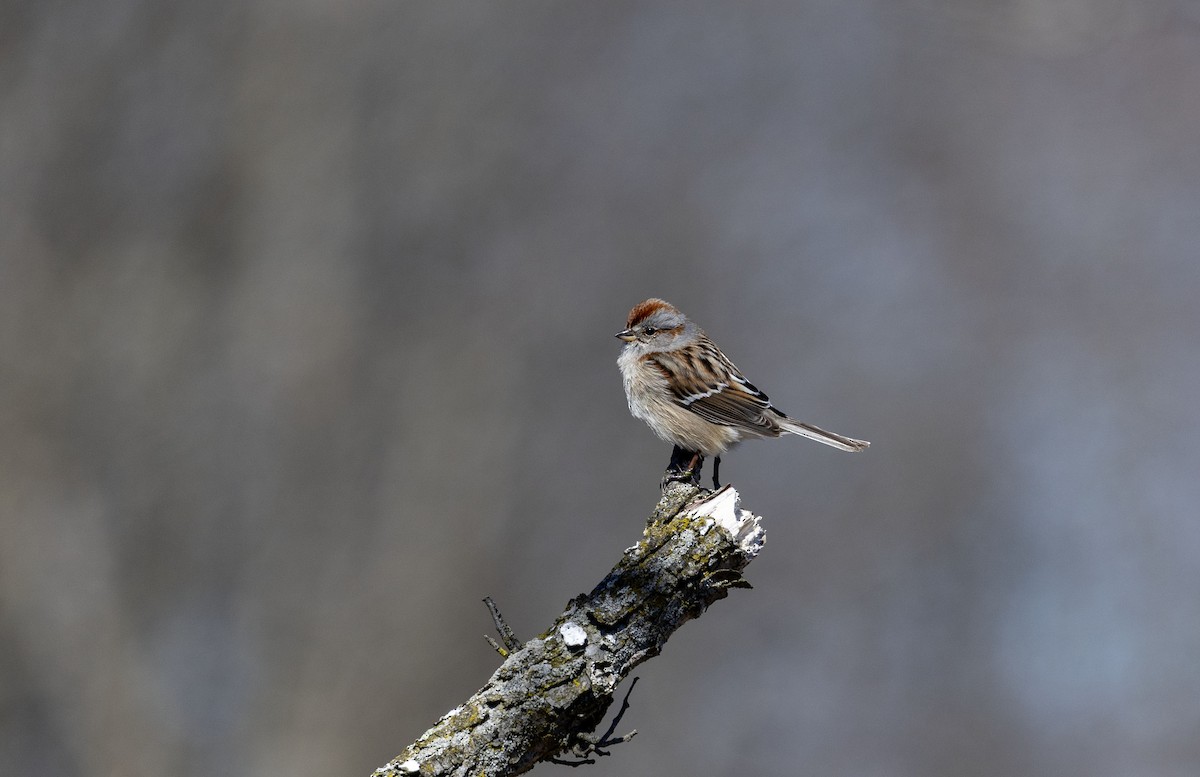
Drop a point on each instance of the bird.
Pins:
(691, 395)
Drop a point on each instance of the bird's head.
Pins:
(655, 325)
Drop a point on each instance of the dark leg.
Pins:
(695, 467)
(679, 460)
(685, 467)
(716, 473)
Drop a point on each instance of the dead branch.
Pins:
(551, 693)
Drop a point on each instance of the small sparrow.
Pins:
(692, 396)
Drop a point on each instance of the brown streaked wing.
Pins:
(698, 386)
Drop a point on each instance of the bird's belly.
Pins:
(649, 400)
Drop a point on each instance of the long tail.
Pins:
(793, 426)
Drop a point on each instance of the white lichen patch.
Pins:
(409, 767)
(573, 635)
(723, 510)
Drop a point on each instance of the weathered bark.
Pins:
(549, 694)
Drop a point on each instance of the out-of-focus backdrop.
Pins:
(306, 317)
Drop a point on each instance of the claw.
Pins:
(685, 467)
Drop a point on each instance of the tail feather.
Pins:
(793, 426)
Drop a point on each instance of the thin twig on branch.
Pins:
(596, 746)
(551, 693)
(511, 642)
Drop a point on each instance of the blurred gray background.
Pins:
(306, 317)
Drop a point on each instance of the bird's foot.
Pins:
(671, 476)
(685, 467)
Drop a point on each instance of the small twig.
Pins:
(572, 764)
(585, 745)
(563, 682)
(510, 640)
(604, 738)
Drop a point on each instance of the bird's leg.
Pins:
(716, 473)
(674, 467)
(695, 467)
(685, 467)
(678, 460)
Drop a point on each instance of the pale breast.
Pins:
(650, 400)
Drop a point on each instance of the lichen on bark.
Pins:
(551, 693)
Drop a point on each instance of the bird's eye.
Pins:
(650, 330)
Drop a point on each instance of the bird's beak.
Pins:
(627, 335)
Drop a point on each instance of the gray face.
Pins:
(662, 331)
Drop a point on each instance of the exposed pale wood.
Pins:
(553, 691)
